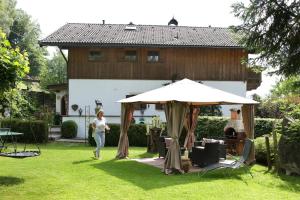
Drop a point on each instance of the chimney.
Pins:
(103, 21)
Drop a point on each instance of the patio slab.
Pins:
(159, 163)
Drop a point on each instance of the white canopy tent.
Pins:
(180, 99)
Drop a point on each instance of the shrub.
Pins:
(69, 129)
(136, 135)
(261, 150)
(289, 145)
(263, 126)
(57, 119)
(34, 131)
(212, 127)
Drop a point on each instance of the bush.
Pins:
(211, 127)
(69, 129)
(263, 126)
(288, 146)
(261, 150)
(136, 135)
(31, 129)
(57, 119)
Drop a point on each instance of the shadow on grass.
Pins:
(10, 181)
(290, 182)
(83, 161)
(149, 177)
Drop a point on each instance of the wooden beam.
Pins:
(62, 53)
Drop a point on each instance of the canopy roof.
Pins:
(189, 91)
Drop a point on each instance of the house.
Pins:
(107, 62)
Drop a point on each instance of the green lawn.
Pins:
(67, 171)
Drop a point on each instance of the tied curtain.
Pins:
(191, 124)
(248, 120)
(126, 117)
(175, 116)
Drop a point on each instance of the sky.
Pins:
(52, 14)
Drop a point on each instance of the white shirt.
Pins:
(100, 124)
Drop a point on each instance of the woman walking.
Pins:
(99, 125)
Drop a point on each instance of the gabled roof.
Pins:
(122, 35)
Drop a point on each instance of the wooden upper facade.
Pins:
(149, 52)
(216, 64)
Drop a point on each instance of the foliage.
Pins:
(261, 150)
(210, 127)
(210, 111)
(32, 129)
(55, 72)
(13, 64)
(263, 126)
(136, 135)
(7, 13)
(284, 100)
(289, 145)
(57, 119)
(213, 127)
(18, 103)
(69, 129)
(272, 29)
(25, 33)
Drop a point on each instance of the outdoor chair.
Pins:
(207, 155)
(163, 145)
(222, 147)
(236, 163)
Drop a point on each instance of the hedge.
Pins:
(39, 129)
(211, 127)
(69, 129)
(136, 135)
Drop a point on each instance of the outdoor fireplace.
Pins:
(234, 133)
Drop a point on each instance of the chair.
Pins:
(236, 163)
(207, 155)
(162, 147)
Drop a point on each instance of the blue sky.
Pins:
(51, 14)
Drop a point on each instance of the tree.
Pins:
(13, 64)
(271, 28)
(25, 33)
(7, 14)
(55, 72)
(284, 100)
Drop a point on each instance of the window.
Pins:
(153, 56)
(138, 106)
(130, 56)
(95, 55)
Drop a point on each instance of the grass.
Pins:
(67, 171)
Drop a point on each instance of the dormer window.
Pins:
(95, 55)
(130, 56)
(153, 56)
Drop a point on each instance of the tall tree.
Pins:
(25, 33)
(7, 14)
(55, 72)
(13, 64)
(271, 28)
